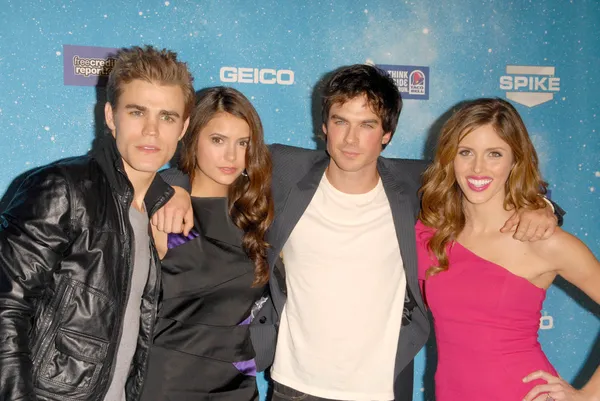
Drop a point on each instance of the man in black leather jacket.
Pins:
(72, 324)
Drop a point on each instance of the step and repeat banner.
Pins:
(544, 56)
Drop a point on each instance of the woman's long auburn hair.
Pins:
(441, 196)
(250, 202)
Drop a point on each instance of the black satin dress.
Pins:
(201, 348)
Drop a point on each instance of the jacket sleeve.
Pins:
(176, 178)
(34, 233)
(559, 212)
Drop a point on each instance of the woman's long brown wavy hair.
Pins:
(442, 198)
(250, 201)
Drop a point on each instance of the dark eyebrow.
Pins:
(170, 113)
(136, 106)
(371, 121)
(143, 108)
(246, 138)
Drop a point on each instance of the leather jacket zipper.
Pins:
(156, 262)
(126, 201)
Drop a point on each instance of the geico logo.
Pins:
(535, 83)
(256, 76)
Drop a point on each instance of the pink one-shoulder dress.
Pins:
(486, 322)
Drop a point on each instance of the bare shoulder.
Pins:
(559, 242)
(562, 247)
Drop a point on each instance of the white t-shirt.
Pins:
(338, 334)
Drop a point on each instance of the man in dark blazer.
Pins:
(356, 131)
(346, 317)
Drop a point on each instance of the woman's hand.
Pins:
(554, 389)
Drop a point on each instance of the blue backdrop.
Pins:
(463, 50)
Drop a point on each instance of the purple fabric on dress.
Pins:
(175, 240)
(247, 368)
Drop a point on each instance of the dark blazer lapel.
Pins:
(403, 214)
(296, 203)
(286, 218)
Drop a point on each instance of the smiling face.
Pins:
(354, 138)
(221, 153)
(147, 123)
(482, 165)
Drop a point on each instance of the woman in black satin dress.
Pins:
(214, 279)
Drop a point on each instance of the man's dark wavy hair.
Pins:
(357, 80)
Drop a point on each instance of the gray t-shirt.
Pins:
(131, 322)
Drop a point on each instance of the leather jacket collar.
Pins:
(107, 155)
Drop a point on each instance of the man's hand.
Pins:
(531, 225)
(176, 216)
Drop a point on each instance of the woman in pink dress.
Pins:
(484, 288)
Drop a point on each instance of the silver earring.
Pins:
(244, 173)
